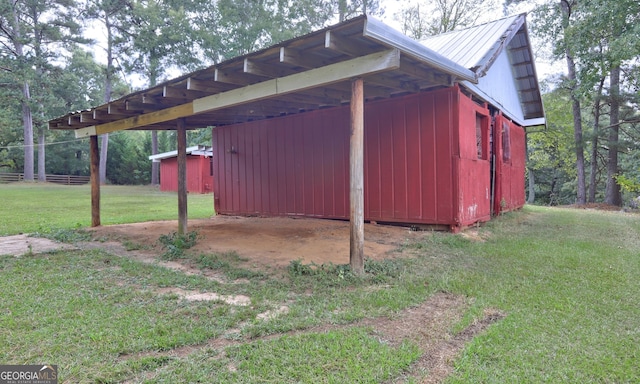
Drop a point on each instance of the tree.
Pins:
(550, 151)
(31, 32)
(163, 37)
(347, 9)
(597, 38)
(433, 17)
(116, 18)
(566, 7)
(247, 25)
(77, 86)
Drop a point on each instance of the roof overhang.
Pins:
(196, 150)
(480, 48)
(306, 73)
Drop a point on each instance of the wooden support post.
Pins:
(95, 180)
(182, 177)
(356, 177)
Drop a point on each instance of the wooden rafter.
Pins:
(366, 65)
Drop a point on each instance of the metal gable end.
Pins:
(478, 48)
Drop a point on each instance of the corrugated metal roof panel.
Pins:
(478, 48)
(468, 47)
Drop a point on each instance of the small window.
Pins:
(480, 137)
(506, 142)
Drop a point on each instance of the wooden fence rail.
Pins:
(58, 179)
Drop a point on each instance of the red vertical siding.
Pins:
(473, 173)
(419, 168)
(199, 179)
(509, 186)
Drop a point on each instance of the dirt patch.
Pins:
(240, 300)
(594, 206)
(428, 325)
(474, 235)
(150, 256)
(269, 241)
(19, 245)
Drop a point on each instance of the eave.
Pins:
(306, 73)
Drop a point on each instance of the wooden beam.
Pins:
(160, 116)
(182, 93)
(202, 85)
(228, 77)
(87, 117)
(102, 115)
(95, 180)
(299, 59)
(365, 65)
(393, 84)
(263, 70)
(73, 120)
(416, 69)
(340, 44)
(133, 105)
(182, 176)
(313, 78)
(356, 178)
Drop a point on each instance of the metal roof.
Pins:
(306, 73)
(196, 150)
(478, 47)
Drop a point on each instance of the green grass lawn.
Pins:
(567, 280)
(37, 207)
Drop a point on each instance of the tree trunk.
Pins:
(155, 167)
(594, 144)
(104, 139)
(612, 192)
(532, 185)
(42, 176)
(27, 122)
(27, 118)
(577, 114)
(342, 10)
(532, 188)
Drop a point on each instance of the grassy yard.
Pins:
(36, 207)
(566, 279)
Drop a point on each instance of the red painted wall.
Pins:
(510, 165)
(421, 162)
(199, 179)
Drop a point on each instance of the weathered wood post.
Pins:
(356, 177)
(182, 176)
(95, 180)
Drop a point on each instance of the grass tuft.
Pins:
(226, 262)
(176, 244)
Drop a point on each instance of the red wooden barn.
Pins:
(199, 175)
(355, 121)
(449, 156)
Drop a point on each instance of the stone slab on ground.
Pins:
(18, 245)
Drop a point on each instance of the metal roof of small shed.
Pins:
(196, 150)
(479, 47)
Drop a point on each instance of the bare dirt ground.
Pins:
(270, 241)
